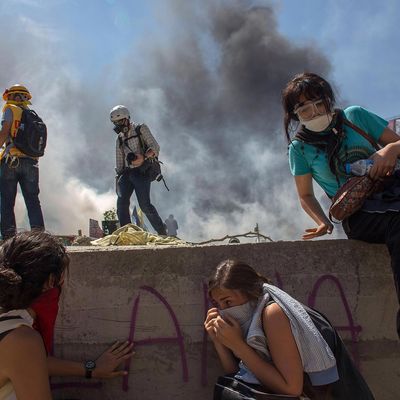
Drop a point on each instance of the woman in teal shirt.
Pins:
(319, 149)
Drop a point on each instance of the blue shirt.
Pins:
(307, 159)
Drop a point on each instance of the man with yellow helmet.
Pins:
(16, 166)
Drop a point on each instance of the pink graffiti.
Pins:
(151, 341)
(179, 339)
(354, 329)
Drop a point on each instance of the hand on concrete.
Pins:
(212, 314)
(111, 359)
(228, 332)
(320, 230)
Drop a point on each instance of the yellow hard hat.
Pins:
(14, 89)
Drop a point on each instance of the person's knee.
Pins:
(32, 201)
(30, 190)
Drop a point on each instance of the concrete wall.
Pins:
(157, 297)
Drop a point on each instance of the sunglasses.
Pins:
(310, 109)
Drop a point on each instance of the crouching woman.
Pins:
(32, 265)
(268, 342)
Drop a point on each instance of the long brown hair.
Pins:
(312, 87)
(27, 260)
(237, 275)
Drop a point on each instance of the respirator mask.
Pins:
(121, 126)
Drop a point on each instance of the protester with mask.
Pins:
(32, 271)
(323, 143)
(268, 341)
(16, 166)
(135, 144)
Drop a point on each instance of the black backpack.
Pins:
(150, 168)
(31, 136)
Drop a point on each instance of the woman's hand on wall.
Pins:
(322, 229)
(312, 207)
(111, 359)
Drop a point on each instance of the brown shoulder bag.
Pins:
(351, 196)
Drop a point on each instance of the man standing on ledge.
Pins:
(135, 144)
(17, 166)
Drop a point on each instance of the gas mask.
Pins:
(318, 124)
(121, 126)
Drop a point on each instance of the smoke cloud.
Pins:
(208, 84)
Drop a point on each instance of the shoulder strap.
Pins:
(362, 133)
(139, 135)
(137, 130)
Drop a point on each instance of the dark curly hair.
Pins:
(237, 275)
(27, 260)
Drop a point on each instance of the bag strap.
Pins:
(362, 133)
(139, 135)
(144, 149)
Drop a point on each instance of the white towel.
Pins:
(317, 358)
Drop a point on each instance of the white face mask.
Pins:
(318, 124)
(243, 314)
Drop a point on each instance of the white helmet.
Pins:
(118, 113)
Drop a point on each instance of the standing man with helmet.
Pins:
(24, 135)
(130, 156)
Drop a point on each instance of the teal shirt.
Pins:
(307, 159)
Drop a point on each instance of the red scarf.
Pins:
(46, 309)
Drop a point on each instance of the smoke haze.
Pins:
(208, 83)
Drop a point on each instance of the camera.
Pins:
(130, 157)
(159, 177)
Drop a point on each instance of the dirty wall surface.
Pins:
(157, 297)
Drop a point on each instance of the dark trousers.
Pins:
(26, 173)
(379, 228)
(134, 180)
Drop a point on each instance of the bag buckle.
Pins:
(12, 161)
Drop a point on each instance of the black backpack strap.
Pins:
(165, 183)
(139, 135)
(145, 148)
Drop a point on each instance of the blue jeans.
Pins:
(26, 173)
(134, 180)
